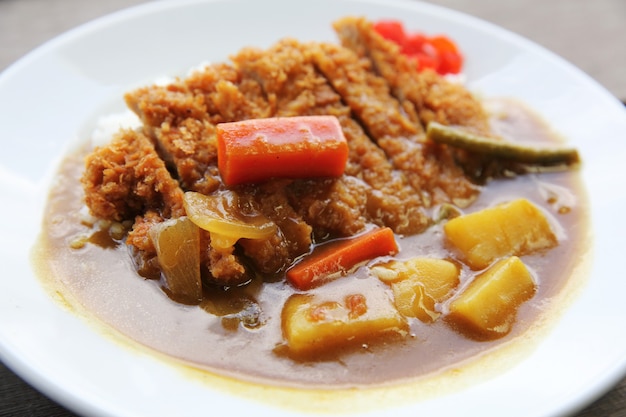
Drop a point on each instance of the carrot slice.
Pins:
(256, 150)
(340, 256)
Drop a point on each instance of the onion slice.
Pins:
(177, 243)
(221, 216)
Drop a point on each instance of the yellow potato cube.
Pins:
(488, 306)
(438, 276)
(314, 326)
(412, 300)
(418, 284)
(515, 228)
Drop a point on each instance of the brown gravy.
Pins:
(102, 278)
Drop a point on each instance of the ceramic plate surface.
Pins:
(51, 99)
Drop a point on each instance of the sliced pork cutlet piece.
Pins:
(127, 180)
(433, 97)
(178, 121)
(127, 177)
(370, 190)
(430, 169)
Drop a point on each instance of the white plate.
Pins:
(52, 97)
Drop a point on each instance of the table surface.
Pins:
(587, 33)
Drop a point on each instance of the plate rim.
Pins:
(30, 375)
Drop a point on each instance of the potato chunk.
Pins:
(514, 228)
(418, 284)
(412, 300)
(488, 306)
(313, 326)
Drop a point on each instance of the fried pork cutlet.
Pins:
(392, 176)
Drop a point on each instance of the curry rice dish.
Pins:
(424, 251)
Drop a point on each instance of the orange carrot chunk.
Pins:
(332, 259)
(256, 150)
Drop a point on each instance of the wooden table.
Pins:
(587, 33)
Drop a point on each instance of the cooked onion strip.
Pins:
(220, 215)
(177, 244)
